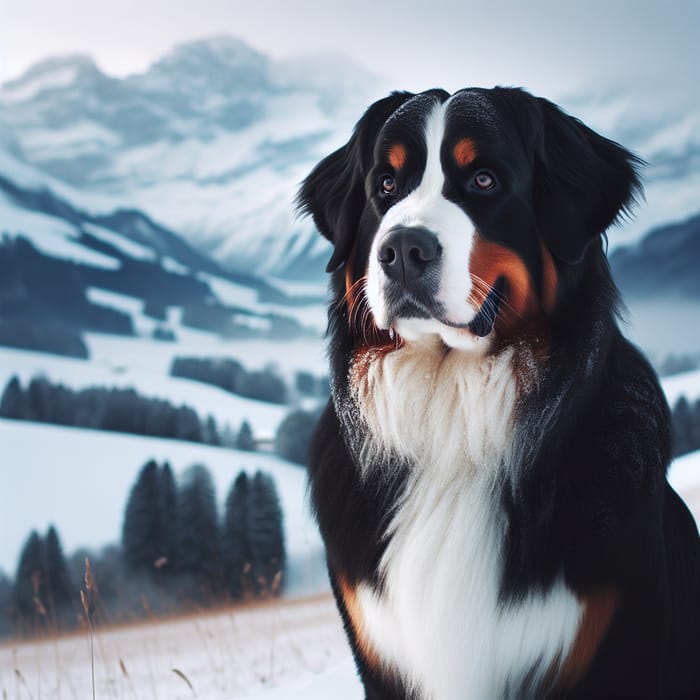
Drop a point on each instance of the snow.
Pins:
(151, 356)
(126, 245)
(112, 370)
(684, 476)
(27, 89)
(339, 683)
(81, 137)
(93, 471)
(24, 175)
(311, 315)
(683, 384)
(50, 235)
(174, 266)
(123, 302)
(231, 293)
(283, 650)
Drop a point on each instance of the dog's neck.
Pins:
(435, 408)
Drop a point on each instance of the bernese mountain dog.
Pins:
(489, 476)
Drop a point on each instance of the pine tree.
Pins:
(266, 532)
(39, 403)
(211, 432)
(695, 428)
(235, 540)
(5, 605)
(682, 427)
(141, 539)
(244, 439)
(12, 404)
(57, 582)
(187, 425)
(294, 435)
(198, 550)
(29, 587)
(167, 518)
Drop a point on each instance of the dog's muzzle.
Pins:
(410, 258)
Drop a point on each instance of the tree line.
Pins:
(175, 553)
(125, 410)
(686, 426)
(114, 409)
(264, 384)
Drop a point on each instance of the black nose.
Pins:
(407, 253)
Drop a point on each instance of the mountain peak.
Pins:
(50, 73)
(213, 52)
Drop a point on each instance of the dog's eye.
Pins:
(484, 180)
(388, 184)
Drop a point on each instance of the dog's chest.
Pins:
(438, 620)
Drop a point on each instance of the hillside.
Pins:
(659, 280)
(65, 270)
(666, 262)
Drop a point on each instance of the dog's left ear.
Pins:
(583, 183)
(334, 192)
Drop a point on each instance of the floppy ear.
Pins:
(334, 192)
(583, 183)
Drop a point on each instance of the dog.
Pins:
(489, 476)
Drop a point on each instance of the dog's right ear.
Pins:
(334, 192)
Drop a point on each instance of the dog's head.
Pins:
(461, 216)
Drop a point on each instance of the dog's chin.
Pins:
(431, 330)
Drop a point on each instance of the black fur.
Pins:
(590, 498)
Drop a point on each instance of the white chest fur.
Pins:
(438, 620)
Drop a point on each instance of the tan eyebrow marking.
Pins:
(464, 152)
(397, 156)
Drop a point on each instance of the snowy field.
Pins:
(284, 650)
(40, 461)
(79, 480)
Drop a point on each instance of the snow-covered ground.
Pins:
(683, 384)
(144, 363)
(79, 480)
(684, 475)
(51, 235)
(285, 650)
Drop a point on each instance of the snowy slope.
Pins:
(683, 384)
(282, 650)
(684, 476)
(93, 472)
(49, 234)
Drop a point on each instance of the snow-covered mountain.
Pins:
(662, 125)
(66, 270)
(214, 138)
(212, 141)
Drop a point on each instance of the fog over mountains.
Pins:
(212, 141)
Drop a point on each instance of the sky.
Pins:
(550, 47)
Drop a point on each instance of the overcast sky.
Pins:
(552, 48)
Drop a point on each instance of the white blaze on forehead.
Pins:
(426, 206)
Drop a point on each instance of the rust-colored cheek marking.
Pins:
(350, 291)
(597, 616)
(489, 261)
(397, 156)
(357, 621)
(464, 152)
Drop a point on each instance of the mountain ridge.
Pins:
(213, 139)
